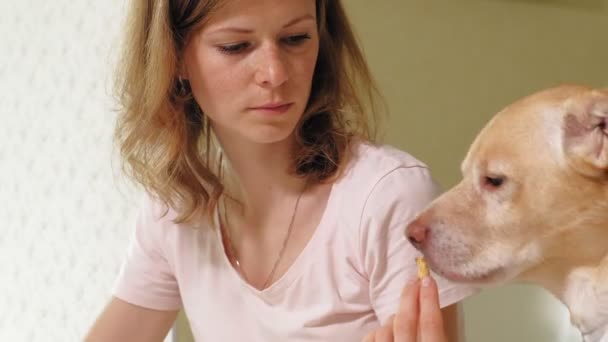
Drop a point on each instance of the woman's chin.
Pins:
(269, 136)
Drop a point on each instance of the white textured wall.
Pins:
(65, 218)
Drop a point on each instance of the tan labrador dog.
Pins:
(532, 205)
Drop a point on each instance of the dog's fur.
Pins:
(532, 205)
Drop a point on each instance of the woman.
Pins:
(270, 214)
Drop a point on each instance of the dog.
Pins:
(532, 205)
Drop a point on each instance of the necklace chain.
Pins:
(233, 255)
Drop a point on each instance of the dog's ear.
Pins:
(586, 133)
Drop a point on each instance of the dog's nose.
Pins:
(417, 233)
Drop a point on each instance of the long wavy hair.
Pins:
(164, 138)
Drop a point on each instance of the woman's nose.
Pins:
(272, 68)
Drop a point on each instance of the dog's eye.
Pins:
(494, 182)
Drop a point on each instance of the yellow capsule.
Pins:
(423, 269)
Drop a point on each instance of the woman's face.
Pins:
(251, 67)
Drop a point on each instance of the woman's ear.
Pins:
(585, 133)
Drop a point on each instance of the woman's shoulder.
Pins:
(158, 231)
(379, 177)
(374, 161)
(156, 215)
(156, 211)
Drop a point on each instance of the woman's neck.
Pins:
(263, 175)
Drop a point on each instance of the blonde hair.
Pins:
(164, 138)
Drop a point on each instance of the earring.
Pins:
(182, 87)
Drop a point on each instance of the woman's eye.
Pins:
(234, 48)
(296, 39)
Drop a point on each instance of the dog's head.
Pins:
(534, 192)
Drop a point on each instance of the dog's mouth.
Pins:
(489, 276)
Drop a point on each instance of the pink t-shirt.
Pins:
(345, 282)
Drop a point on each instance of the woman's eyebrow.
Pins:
(299, 19)
(236, 29)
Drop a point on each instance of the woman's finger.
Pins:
(431, 321)
(385, 333)
(405, 321)
(382, 334)
(371, 337)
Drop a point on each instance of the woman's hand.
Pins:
(418, 318)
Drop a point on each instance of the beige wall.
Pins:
(445, 67)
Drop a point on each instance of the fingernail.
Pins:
(426, 281)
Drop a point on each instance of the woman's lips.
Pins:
(272, 108)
